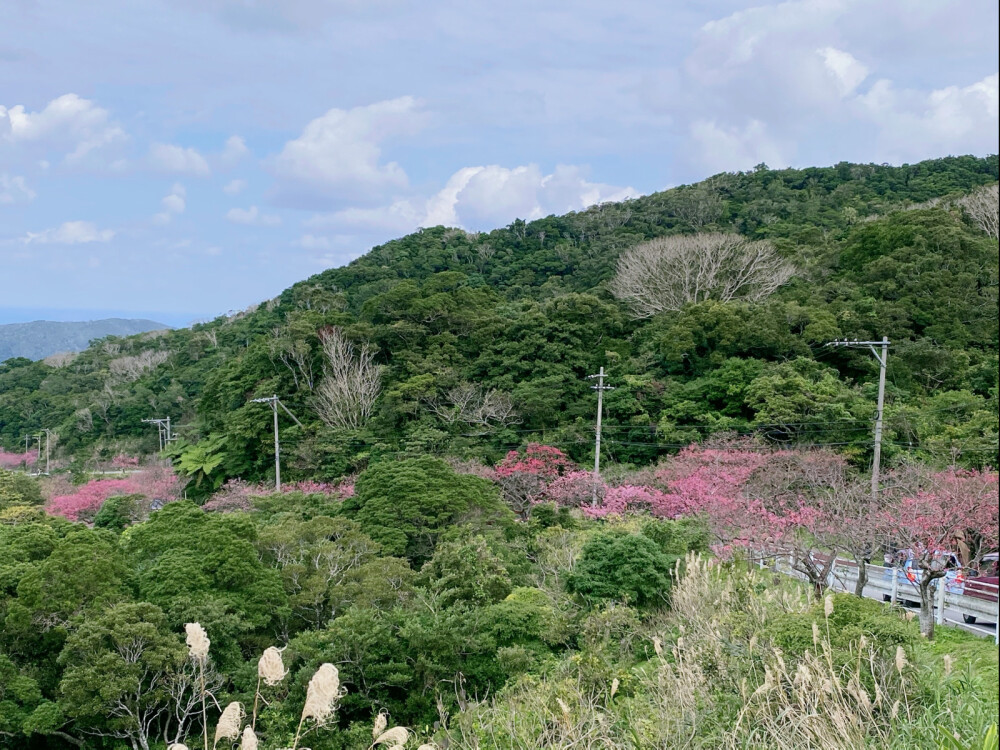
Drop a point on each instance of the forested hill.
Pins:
(41, 338)
(483, 342)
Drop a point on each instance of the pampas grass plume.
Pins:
(900, 659)
(396, 736)
(947, 664)
(322, 694)
(381, 722)
(249, 740)
(197, 641)
(230, 722)
(828, 606)
(178, 746)
(658, 645)
(270, 668)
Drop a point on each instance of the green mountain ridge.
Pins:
(524, 313)
(41, 338)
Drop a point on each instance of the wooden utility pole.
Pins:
(882, 358)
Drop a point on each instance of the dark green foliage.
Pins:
(117, 512)
(18, 489)
(624, 567)
(524, 311)
(405, 505)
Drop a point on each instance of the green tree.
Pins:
(405, 505)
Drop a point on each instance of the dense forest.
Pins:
(441, 567)
(483, 342)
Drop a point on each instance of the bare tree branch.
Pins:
(670, 272)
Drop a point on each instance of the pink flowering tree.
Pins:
(935, 516)
(86, 500)
(9, 460)
(525, 475)
(156, 485)
(123, 462)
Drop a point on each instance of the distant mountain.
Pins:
(41, 338)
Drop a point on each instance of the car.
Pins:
(983, 583)
(908, 575)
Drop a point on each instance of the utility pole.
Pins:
(162, 430)
(882, 359)
(275, 402)
(48, 439)
(38, 457)
(600, 388)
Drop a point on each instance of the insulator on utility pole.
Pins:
(600, 388)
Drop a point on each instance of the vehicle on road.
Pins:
(983, 583)
(908, 575)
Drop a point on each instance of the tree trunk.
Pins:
(859, 587)
(926, 606)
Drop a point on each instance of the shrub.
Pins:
(623, 567)
(118, 512)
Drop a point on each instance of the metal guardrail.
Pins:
(892, 584)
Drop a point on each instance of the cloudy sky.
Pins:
(183, 158)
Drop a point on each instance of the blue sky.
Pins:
(178, 159)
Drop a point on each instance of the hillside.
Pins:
(41, 338)
(485, 340)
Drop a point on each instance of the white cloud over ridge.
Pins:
(478, 198)
(339, 155)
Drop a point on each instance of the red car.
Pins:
(984, 584)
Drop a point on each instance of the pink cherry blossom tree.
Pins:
(525, 475)
(934, 516)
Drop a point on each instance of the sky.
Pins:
(180, 159)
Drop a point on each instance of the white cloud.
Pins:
(234, 150)
(339, 154)
(70, 124)
(70, 233)
(482, 197)
(314, 242)
(13, 189)
(727, 148)
(917, 124)
(167, 157)
(234, 186)
(848, 72)
(252, 217)
(173, 203)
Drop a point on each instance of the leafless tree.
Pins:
(129, 368)
(670, 272)
(60, 359)
(295, 354)
(351, 384)
(983, 207)
(472, 405)
(212, 337)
